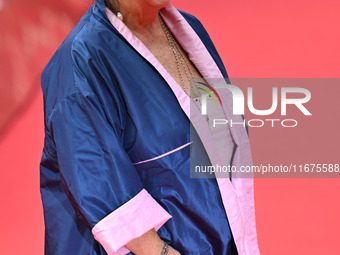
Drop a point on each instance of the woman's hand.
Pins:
(149, 244)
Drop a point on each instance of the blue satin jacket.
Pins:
(114, 128)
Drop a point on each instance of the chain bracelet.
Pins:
(165, 248)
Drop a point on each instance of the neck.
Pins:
(141, 16)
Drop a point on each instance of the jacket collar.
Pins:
(98, 9)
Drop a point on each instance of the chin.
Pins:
(158, 3)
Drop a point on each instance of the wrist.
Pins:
(165, 248)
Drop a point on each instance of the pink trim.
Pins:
(244, 187)
(238, 196)
(165, 154)
(190, 42)
(129, 221)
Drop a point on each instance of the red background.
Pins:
(281, 38)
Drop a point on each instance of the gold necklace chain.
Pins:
(181, 61)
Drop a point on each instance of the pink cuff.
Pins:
(129, 221)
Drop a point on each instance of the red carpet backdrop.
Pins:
(256, 39)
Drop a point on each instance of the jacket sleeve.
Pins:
(98, 176)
